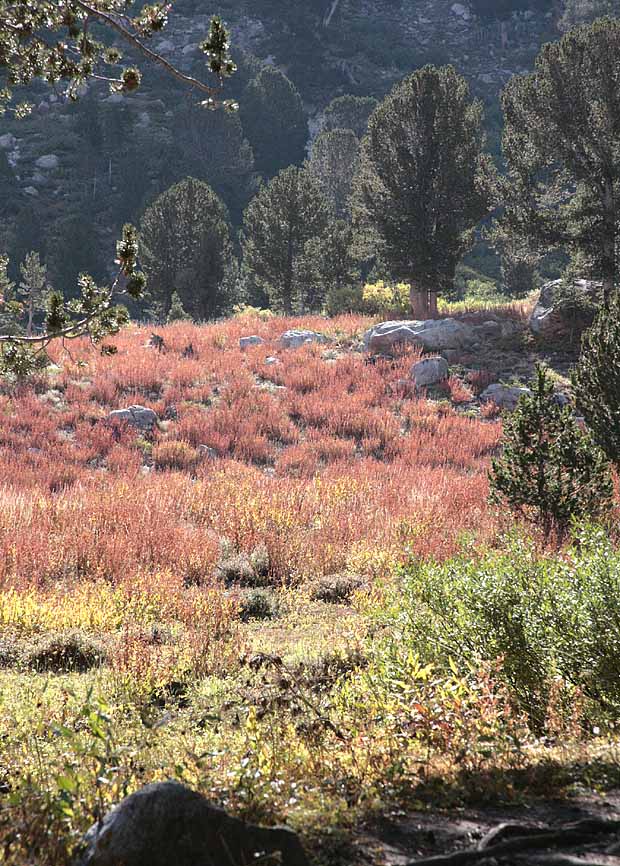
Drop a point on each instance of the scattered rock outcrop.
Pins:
(429, 371)
(553, 318)
(254, 340)
(433, 335)
(295, 338)
(504, 396)
(136, 416)
(166, 823)
(48, 162)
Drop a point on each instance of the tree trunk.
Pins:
(433, 305)
(420, 303)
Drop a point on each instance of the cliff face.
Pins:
(337, 46)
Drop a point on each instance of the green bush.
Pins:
(64, 652)
(545, 616)
(258, 604)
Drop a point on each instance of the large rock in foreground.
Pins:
(167, 824)
(552, 320)
(433, 335)
(136, 416)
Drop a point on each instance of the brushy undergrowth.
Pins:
(473, 673)
(552, 619)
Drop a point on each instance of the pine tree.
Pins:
(10, 308)
(596, 379)
(278, 223)
(335, 269)
(177, 313)
(56, 43)
(349, 112)
(33, 288)
(418, 193)
(186, 247)
(274, 121)
(560, 143)
(550, 471)
(333, 162)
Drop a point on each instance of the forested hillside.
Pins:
(72, 173)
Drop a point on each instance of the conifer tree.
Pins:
(274, 121)
(418, 192)
(560, 143)
(349, 112)
(176, 313)
(278, 223)
(550, 470)
(596, 379)
(55, 42)
(186, 247)
(33, 288)
(10, 308)
(333, 162)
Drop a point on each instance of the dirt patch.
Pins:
(585, 830)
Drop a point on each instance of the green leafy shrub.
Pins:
(545, 616)
(258, 604)
(384, 299)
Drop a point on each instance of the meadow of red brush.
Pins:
(320, 457)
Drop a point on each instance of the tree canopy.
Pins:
(278, 224)
(418, 192)
(561, 143)
(186, 248)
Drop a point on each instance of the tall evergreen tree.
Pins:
(278, 223)
(596, 379)
(333, 162)
(33, 288)
(550, 470)
(211, 146)
(336, 268)
(186, 247)
(560, 142)
(418, 190)
(274, 121)
(349, 112)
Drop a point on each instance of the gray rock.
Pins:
(429, 371)
(136, 416)
(488, 330)
(246, 342)
(296, 338)
(207, 453)
(548, 320)
(270, 361)
(48, 162)
(433, 335)
(31, 190)
(167, 824)
(7, 141)
(504, 396)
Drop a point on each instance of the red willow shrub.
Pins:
(320, 457)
